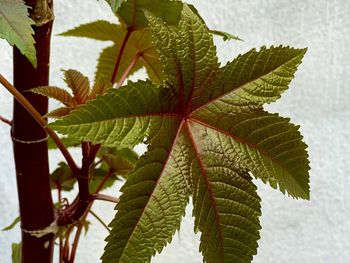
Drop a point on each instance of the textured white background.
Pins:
(318, 100)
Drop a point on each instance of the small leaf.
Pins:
(13, 224)
(62, 176)
(16, 252)
(79, 84)
(15, 27)
(226, 36)
(59, 112)
(98, 30)
(106, 63)
(97, 176)
(56, 93)
(100, 87)
(115, 4)
(120, 161)
(86, 225)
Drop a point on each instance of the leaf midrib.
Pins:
(208, 186)
(157, 183)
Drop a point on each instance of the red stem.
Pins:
(30, 148)
(107, 198)
(75, 243)
(129, 68)
(4, 120)
(120, 54)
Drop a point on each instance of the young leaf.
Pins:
(206, 132)
(59, 112)
(120, 161)
(56, 93)
(15, 27)
(97, 176)
(13, 224)
(78, 83)
(16, 252)
(63, 176)
(80, 86)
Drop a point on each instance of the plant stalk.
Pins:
(41, 121)
(30, 149)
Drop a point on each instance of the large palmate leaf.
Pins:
(207, 133)
(15, 27)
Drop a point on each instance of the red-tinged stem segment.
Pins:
(30, 149)
(129, 68)
(78, 233)
(120, 54)
(4, 120)
(75, 243)
(107, 198)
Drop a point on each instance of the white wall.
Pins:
(318, 100)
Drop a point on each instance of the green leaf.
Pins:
(124, 124)
(207, 135)
(131, 12)
(78, 83)
(120, 161)
(62, 176)
(267, 145)
(153, 201)
(13, 224)
(115, 4)
(15, 27)
(97, 176)
(98, 30)
(226, 208)
(56, 93)
(251, 80)
(16, 252)
(139, 45)
(226, 36)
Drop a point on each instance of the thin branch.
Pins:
(41, 121)
(75, 243)
(65, 256)
(99, 220)
(104, 180)
(59, 197)
(129, 68)
(103, 197)
(120, 54)
(4, 120)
